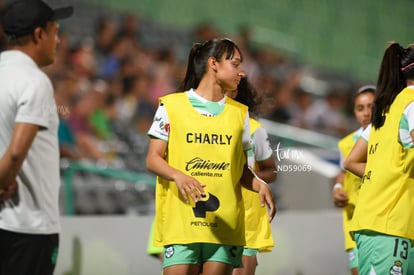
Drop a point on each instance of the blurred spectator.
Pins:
(121, 48)
(298, 108)
(267, 87)
(82, 60)
(204, 31)
(250, 65)
(67, 142)
(129, 28)
(282, 98)
(63, 54)
(105, 32)
(162, 73)
(81, 107)
(245, 40)
(101, 118)
(326, 115)
(126, 104)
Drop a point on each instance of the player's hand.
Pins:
(266, 198)
(340, 197)
(189, 187)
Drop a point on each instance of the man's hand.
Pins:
(7, 193)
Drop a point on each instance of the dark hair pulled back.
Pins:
(199, 55)
(396, 67)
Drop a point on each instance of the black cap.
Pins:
(22, 16)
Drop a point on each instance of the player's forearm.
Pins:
(357, 169)
(266, 170)
(268, 174)
(161, 168)
(247, 178)
(357, 158)
(250, 180)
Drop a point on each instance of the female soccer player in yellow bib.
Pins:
(197, 149)
(383, 221)
(345, 190)
(260, 157)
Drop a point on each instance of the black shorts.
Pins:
(34, 254)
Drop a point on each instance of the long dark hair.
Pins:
(198, 56)
(247, 95)
(396, 67)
